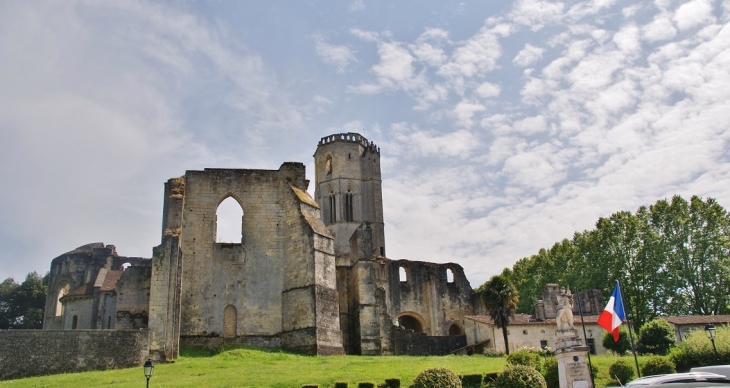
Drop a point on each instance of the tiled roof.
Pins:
(110, 281)
(85, 290)
(106, 280)
(524, 319)
(697, 319)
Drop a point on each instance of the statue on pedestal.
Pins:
(564, 317)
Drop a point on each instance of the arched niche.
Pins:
(230, 321)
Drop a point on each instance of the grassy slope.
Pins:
(261, 368)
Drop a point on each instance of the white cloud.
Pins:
(531, 125)
(537, 13)
(357, 5)
(488, 90)
(693, 14)
(337, 55)
(368, 36)
(528, 55)
(661, 28)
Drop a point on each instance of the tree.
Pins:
(621, 346)
(22, 305)
(656, 337)
(500, 298)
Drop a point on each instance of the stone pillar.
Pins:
(573, 370)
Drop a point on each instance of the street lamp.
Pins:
(710, 331)
(148, 369)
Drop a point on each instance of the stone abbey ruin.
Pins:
(308, 274)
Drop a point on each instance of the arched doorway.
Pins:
(410, 322)
(230, 321)
(455, 330)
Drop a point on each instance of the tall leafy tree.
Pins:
(500, 298)
(21, 305)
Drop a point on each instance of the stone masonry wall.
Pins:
(43, 352)
(407, 342)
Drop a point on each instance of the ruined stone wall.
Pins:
(132, 299)
(43, 352)
(407, 342)
(427, 294)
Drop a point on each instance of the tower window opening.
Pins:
(449, 275)
(328, 165)
(125, 266)
(348, 207)
(75, 322)
(403, 274)
(229, 222)
(333, 208)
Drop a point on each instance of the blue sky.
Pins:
(504, 126)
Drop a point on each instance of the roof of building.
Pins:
(106, 280)
(697, 319)
(525, 319)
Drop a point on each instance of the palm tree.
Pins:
(500, 297)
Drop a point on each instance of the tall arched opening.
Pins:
(229, 222)
(410, 322)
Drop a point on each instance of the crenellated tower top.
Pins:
(350, 137)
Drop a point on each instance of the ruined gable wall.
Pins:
(247, 275)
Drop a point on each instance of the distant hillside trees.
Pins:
(21, 305)
(672, 258)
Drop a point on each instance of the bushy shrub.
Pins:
(520, 376)
(392, 383)
(658, 366)
(471, 381)
(437, 378)
(656, 337)
(550, 372)
(491, 352)
(365, 384)
(621, 346)
(696, 350)
(526, 358)
(341, 384)
(489, 378)
(622, 371)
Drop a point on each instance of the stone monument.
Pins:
(570, 351)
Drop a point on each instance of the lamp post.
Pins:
(710, 331)
(148, 369)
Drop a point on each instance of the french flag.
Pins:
(613, 314)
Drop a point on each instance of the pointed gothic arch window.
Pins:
(229, 222)
(333, 207)
(349, 213)
(403, 274)
(449, 275)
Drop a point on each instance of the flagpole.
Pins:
(628, 323)
(585, 338)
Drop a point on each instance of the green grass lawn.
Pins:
(245, 367)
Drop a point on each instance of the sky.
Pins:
(504, 126)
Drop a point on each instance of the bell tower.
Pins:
(349, 189)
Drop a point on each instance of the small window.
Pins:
(524, 332)
(543, 344)
(75, 322)
(109, 323)
(403, 274)
(229, 222)
(449, 275)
